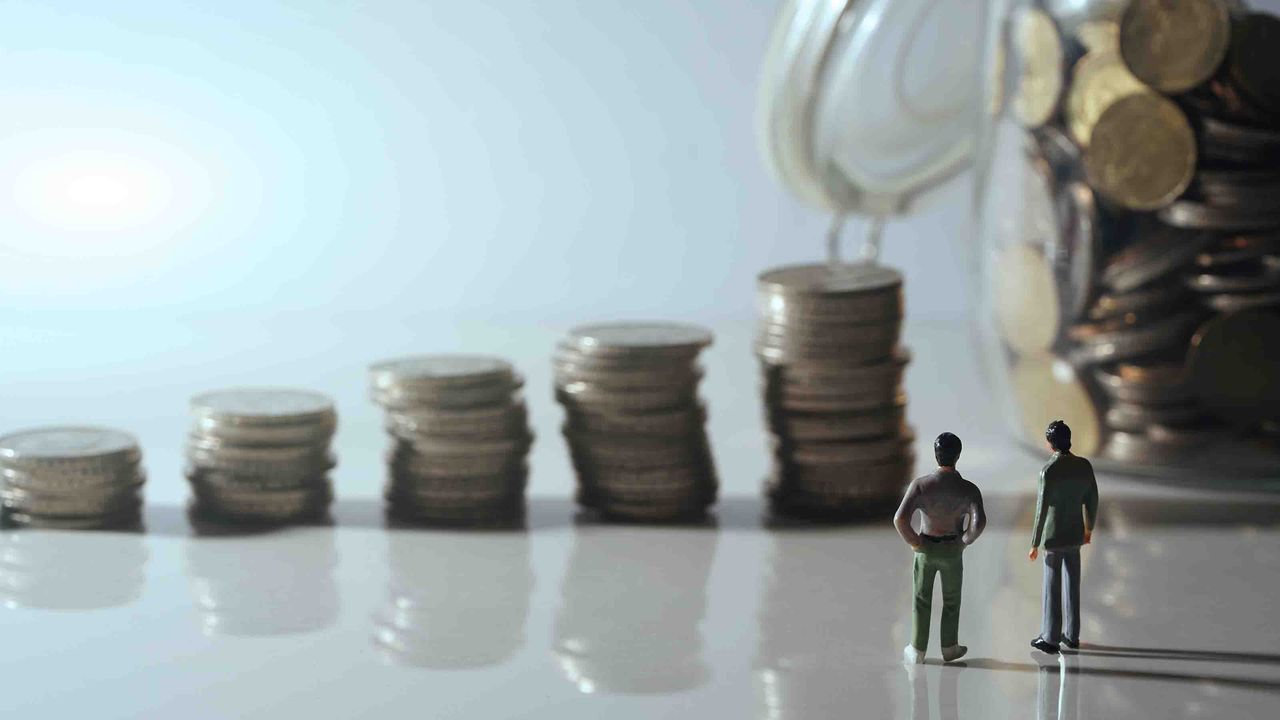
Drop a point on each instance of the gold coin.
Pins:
(1026, 299)
(1047, 388)
(1099, 80)
(1038, 47)
(1099, 35)
(1142, 153)
(1174, 45)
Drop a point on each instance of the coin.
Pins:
(624, 338)
(844, 279)
(1142, 153)
(1255, 276)
(1238, 143)
(1159, 252)
(88, 449)
(1038, 49)
(1198, 216)
(1137, 418)
(1047, 388)
(1100, 35)
(1174, 46)
(1150, 299)
(1230, 302)
(1254, 58)
(1026, 299)
(442, 370)
(1235, 365)
(1099, 80)
(1081, 239)
(1151, 384)
(262, 406)
(1127, 338)
(1240, 248)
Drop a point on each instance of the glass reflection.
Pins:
(632, 606)
(456, 598)
(61, 570)
(948, 708)
(833, 604)
(272, 583)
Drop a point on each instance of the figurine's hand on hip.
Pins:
(1035, 552)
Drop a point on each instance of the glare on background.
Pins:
(100, 190)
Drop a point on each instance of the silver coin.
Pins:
(582, 397)
(1111, 341)
(845, 453)
(1194, 215)
(404, 460)
(1222, 140)
(230, 481)
(1137, 418)
(1258, 276)
(444, 448)
(1231, 303)
(1239, 249)
(1192, 435)
(1158, 253)
(472, 396)
(72, 447)
(125, 519)
(827, 280)
(262, 406)
(627, 338)
(793, 426)
(441, 371)
(775, 351)
(1081, 238)
(1152, 384)
(645, 377)
(678, 421)
(822, 375)
(313, 464)
(217, 430)
(1158, 298)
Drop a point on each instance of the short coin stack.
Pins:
(261, 455)
(828, 347)
(71, 477)
(460, 438)
(633, 420)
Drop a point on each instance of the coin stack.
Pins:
(261, 455)
(832, 384)
(1139, 296)
(460, 438)
(634, 423)
(71, 477)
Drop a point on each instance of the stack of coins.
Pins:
(1140, 298)
(261, 455)
(460, 438)
(833, 395)
(633, 419)
(71, 477)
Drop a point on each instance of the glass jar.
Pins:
(1125, 159)
(1127, 201)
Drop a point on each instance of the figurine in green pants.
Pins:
(1065, 510)
(945, 501)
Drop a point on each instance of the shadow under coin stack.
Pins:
(834, 402)
(261, 455)
(633, 420)
(460, 438)
(71, 477)
(1150, 316)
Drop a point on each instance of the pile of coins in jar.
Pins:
(1134, 194)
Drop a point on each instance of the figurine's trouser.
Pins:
(1052, 629)
(947, 561)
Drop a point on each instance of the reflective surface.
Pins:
(567, 617)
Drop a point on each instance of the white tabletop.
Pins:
(571, 618)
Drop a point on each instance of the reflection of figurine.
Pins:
(945, 500)
(1066, 486)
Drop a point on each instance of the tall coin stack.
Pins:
(460, 438)
(71, 477)
(633, 420)
(261, 455)
(1140, 297)
(832, 384)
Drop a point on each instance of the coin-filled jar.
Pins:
(1127, 205)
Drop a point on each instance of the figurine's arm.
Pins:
(977, 519)
(1090, 507)
(902, 518)
(1040, 515)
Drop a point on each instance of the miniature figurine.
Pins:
(1067, 485)
(945, 501)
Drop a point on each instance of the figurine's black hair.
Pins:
(1058, 435)
(946, 449)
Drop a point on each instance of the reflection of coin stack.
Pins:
(460, 438)
(70, 571)
(632, 604)
(828, 346)
(275, 584)
(261, 455)
(633, 420)
(1143, 304)
(457, 600)
(71, 477)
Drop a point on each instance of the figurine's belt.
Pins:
(940, 538)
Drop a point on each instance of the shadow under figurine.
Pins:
(945, 501)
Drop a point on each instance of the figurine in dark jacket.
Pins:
(1066, 508)
(945, 501)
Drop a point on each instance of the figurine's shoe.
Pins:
(1044, 646)
(912, 656)
(955, 652)
(1073, 644)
